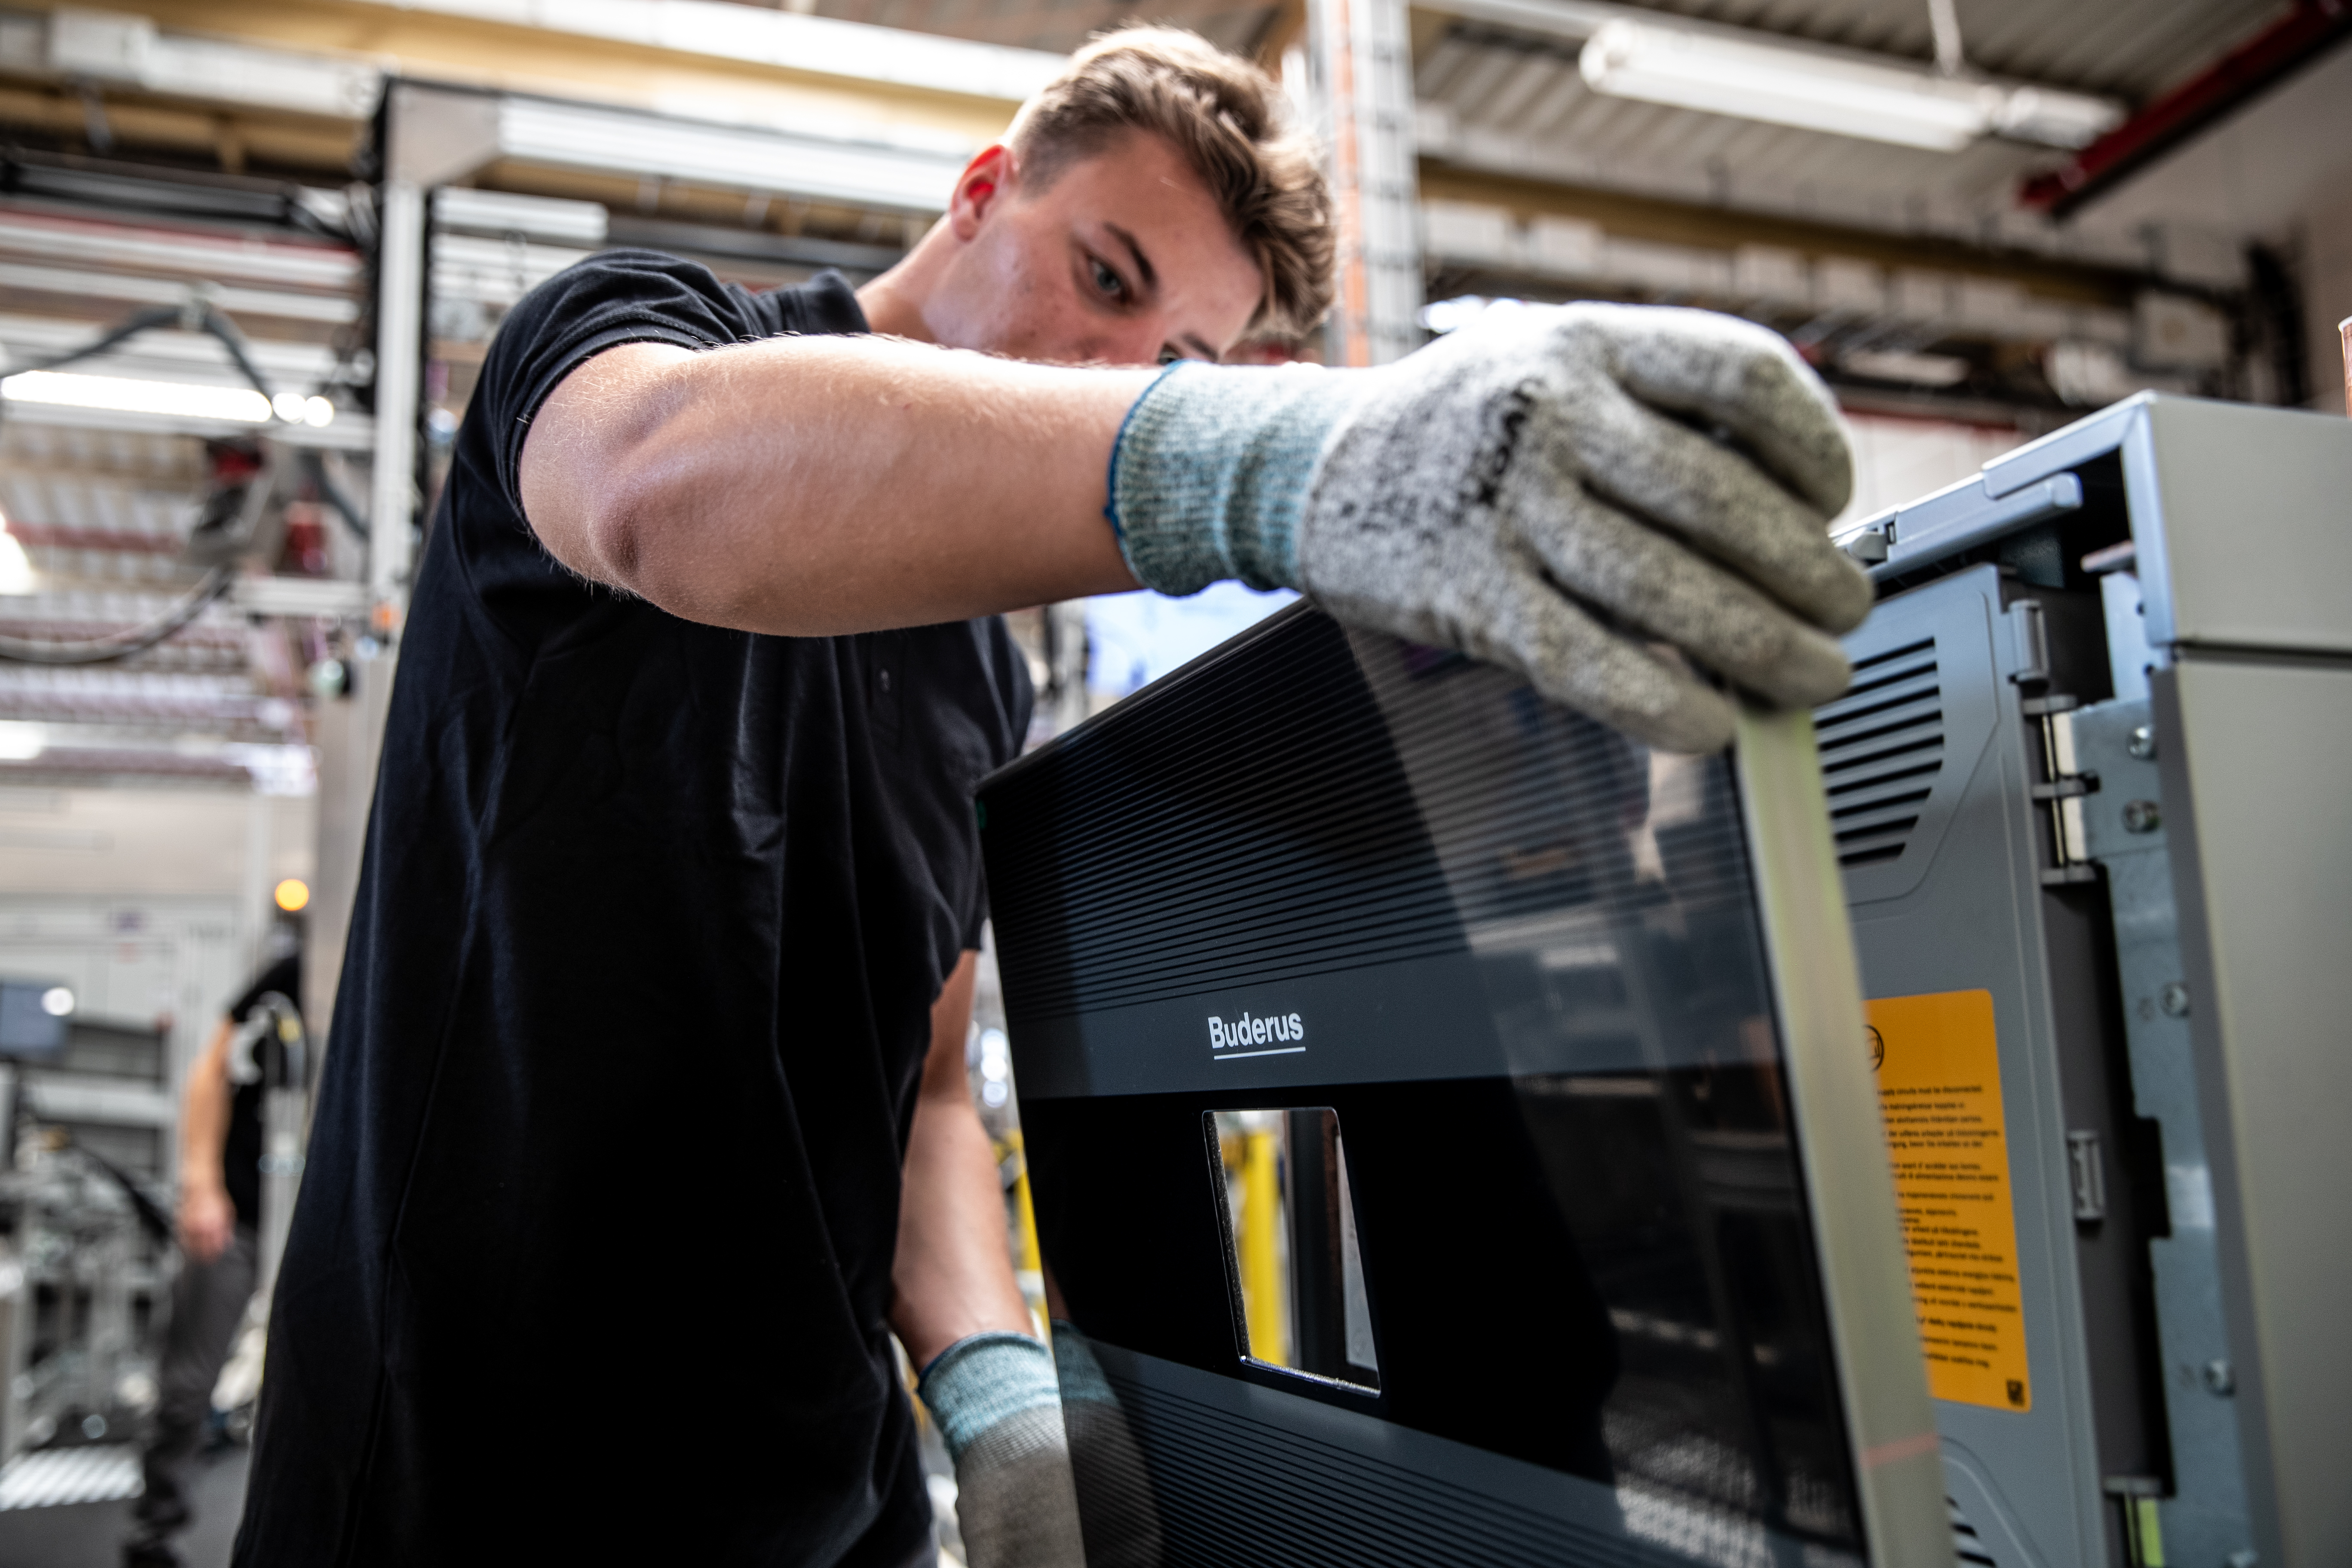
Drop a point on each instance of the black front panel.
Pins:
(1517, 958)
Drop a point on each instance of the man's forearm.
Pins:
(954, 1270)
(953, 1273)
(811, 486)
(203, 1113)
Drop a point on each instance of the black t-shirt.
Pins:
(249, 1069)
(593, 1254)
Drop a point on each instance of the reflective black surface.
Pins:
(1519, 957)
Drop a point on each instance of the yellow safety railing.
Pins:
(1260, 1264)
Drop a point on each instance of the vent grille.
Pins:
(1250, 823)
(1882, 747)
(1306, 804)
(1968, 1546)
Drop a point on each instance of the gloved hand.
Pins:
(1552, 488)
(999, 1411)
(1114, 1498)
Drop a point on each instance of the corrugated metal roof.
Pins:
(1520, 101)
(2132, 48)
(1509, 102)
(1512, 102)
(1059, 25)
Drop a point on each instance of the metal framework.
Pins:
(1363, 73)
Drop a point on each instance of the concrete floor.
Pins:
(89, 1535)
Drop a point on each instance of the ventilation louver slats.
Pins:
(1882, 747)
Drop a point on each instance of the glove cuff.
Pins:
(984, 1379)
(1076, 1369)
(1211, 468)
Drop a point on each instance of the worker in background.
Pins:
(646, 1122)
(219, 1217)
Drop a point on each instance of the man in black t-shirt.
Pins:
(219, 1216)
(644, 1123)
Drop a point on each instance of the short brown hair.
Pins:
(1231, 123)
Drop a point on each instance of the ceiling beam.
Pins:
(2006, 106)
(817, 45)
(2294, 41)
(886, 83)
(1639, 215)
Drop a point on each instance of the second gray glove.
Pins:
(1553, 489)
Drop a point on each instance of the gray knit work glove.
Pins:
(1553, 489)
(1114, 1498)
(999, 1411)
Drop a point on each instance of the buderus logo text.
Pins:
(1254, 1036)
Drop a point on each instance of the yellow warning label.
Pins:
(1939, 1086)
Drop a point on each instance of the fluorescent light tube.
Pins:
(125, 396)
(1815, 91)
(2065, 119)
(1919, 370)
(15, 566)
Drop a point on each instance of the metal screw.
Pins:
(2142, 817)
(2220, 1378)
(2174, 1000)
(2142, 743)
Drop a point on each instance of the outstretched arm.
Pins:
(1558, 489)
(812, 486)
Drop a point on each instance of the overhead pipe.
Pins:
(2254, 67)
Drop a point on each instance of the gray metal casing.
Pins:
(1959, 910)
(2228, 637)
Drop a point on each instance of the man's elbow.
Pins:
(603, 470)
(650, 534)
(631, 529)
(604, 539)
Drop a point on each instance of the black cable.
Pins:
(224, 330)
(130, 639)
(316, 466)
(152, 1218)
(201, 315)
(130, 327)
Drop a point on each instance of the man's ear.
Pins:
(985, 180)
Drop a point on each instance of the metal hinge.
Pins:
(2070, 861)
(2090, 1176)
(2028, 642)
(2063, 792)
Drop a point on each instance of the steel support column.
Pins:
(399, 351)
(1361, 61)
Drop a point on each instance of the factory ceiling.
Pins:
(1508, 100)
(2132, 51)
(1500, 93)
(1056, 26)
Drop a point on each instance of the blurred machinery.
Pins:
(86, 1229)
(84, 1236)
(2088, 790)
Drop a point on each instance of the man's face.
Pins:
(1123, 259)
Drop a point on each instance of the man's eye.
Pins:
(1109, 282)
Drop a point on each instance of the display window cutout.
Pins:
(1279, 1178)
